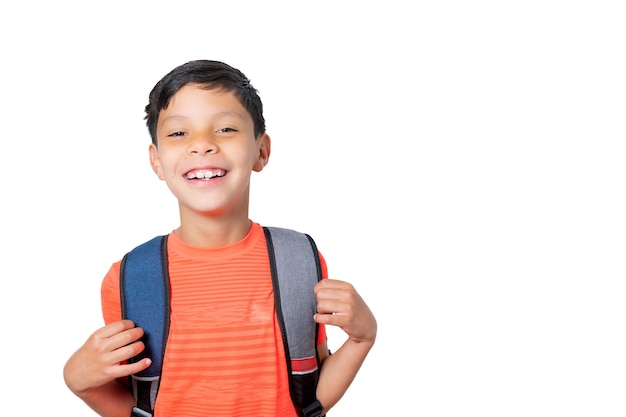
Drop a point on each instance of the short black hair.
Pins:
(210, 75)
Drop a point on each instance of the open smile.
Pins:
(205, 174)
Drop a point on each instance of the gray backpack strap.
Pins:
(296, 269)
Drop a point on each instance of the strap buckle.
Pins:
(138, 412)
(313, 410)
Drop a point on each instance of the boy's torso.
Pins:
(236, 368)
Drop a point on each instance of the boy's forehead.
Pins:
(196, 94)
(194, 88)
(197, 100)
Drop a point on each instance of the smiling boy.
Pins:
(224, 354)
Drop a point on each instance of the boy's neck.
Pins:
(213, 234)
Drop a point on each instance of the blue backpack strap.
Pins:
(145, 299)
(295, 265)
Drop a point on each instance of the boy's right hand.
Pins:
(103, 357)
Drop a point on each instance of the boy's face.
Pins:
(207, 151)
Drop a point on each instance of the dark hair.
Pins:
(211, 75)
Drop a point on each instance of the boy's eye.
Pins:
(177, 134)
(226, 130)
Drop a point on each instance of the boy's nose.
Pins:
(202, 144)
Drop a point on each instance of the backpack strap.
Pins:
(295, 269)
(295, 265)
(145, 299)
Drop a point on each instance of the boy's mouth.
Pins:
(205, 174)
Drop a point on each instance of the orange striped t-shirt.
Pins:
(224, 355)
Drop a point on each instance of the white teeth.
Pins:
(205, 174)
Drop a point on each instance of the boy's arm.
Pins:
(93, 372)
(110, 400)
(338, 304)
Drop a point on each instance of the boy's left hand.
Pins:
(339, 304)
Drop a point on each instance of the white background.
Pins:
(461, 163)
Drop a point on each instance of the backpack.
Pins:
(295, 269)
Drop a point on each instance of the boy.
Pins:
(208, 135)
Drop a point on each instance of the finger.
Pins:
(330, 306)
(119, 340)
(126, 352)
(128, 336)
(331, 319)
(330, 283)
(114, 328)
(133, 368)
(123, 370)
(322, 318)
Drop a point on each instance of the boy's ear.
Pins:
(155, 163)
(265, 145)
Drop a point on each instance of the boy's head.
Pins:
(213, 75)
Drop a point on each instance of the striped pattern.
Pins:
(224, 354)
